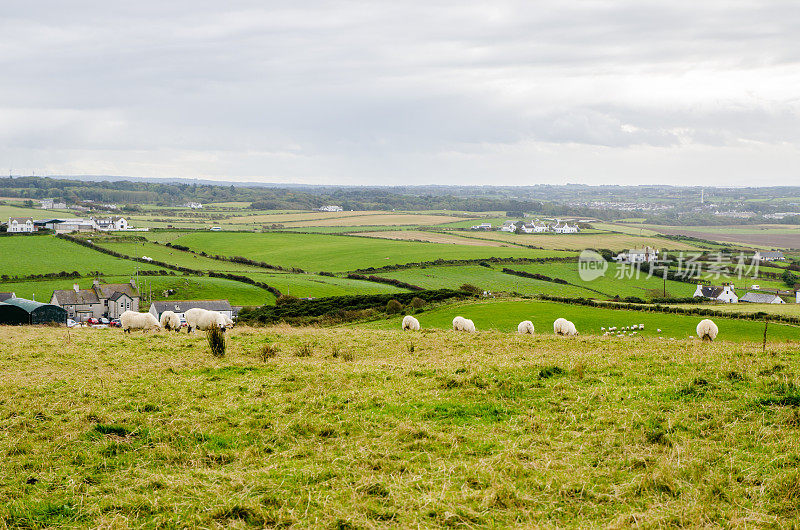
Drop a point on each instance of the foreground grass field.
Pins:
(504, 315)
(366, 428)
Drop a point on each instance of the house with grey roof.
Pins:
(769, 256)
(762, 298)
(725, 293)
(102, 300)
(20, 225)
(179, 307)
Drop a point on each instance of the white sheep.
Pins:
(458, 323)
(525, 327)
(410, 323)
(197, 318)
(641, 326)
(707, 330)
(130, 320)
(469, 326)
(228, 322)
(658, 330)
(562, 326)
(170, 321)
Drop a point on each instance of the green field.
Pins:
(320, 252)
(25, 255)
(175, 257)
(505, 315)
(314, 285)
(356, 429)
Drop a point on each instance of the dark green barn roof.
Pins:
(37, 312)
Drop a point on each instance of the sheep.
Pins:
(707, 330)
(170, 321)
(203, 320)
(228, 322)
(602, 329)
(458, 323)
(563, 326)
(641, 326)
(658, 330)
(410, 323)
(469, 326)
(525, 327)
(134, 320)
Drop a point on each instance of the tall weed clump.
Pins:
(216, 341)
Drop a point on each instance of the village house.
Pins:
(51, 204)
(482, 226)
(564, 228)
(102, 300)
(194, 205)
(329, 208)
(762, 298)
(768, 256)
(21, 225)
(724, 294)
(110, 223)
(179, 307)
(643, 255)
(508, 226)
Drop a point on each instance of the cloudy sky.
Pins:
(382, 92)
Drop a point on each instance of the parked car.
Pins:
(104, 320)
(71, 323)
(92, 320)
(115, 323)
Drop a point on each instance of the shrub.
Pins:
(216, 341)
(468, 287)
(417, 302)
(268, 351)
(393, 307)
(305, 350)
(286, 299)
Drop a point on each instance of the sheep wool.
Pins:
(707, 330)
(562, 326)
(203, 320)
(170, 321)
(410, 323)
(458, 323)
(469, 326)
(130, 320)
(525, 328)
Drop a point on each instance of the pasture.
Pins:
(504, 315)
(755, 236)
(322, 252)
(580, 241)
(433, 237)
(348, 428)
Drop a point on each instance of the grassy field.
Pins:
(24, 255)
(186, 287)
(756, 236)
(175, 257)
(746, 308)
(493, 430)
(432, 237)
(314, 285)
(504, 315)
(321, 252)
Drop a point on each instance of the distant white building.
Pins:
(564, 228)
(50, 204)
(642, 255)
(482, 226)
(193, 205)
(768, 256)
(110, 223)
(762, 298)
(20, 225)
(329, 208)
(724, 294)
(508, 226)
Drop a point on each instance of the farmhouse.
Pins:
(644, 255)
(194, 205)
(724, 294)
(508, 226)
(329, 208)
(768, 256)
(179, 307)
(482, 226)
(102, 300)
(110, 223)
(564, 228)
(19, 225)
(50, 204)
(762, 298)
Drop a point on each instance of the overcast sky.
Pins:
(376, 92)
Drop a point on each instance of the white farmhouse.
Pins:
(20, 225)
(642, 255)
(769, 256)
(110, 223)
(508, 226)
(329, 208)
(724, 294)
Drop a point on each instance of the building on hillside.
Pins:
(329, 208)
(482, 226)
(762, 298)
(642, 255)
(179, 307)
(21, 225)
(539, 227)
(51, 204)
(564, 228)
(108, 300)
(6, 296)
(110, 223)
(724, 294)
(768, 256)
(73, 225)
(19, 311)
(193, 205)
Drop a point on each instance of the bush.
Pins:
(216, 341)
(285, 299)
(473, 289)
(393, 307)
(268, 351)
(417, 302)
(304, 350)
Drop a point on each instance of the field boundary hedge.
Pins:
(658, 308)
(388, 281)
(462, 262)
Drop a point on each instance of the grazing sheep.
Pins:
(203, 320)
(228, 322)
(170, 321)
(563, 326)
(130, 320)
(707, 330)
(469, 326)
(641, 326)
(410, 323)
(525, 327)
(458, 323)
(658, 330)
(602, 329)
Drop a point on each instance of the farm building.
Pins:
(720, 294)
(179, 307)
(762, 298)
(20, 225)
(482, 226)
(643, 255)
(6, 296)
(102, 300)
(18, 311)
(329, 208)
(768, 256)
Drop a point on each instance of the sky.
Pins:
(414, 92)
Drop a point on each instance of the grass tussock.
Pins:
(216, 341)
(494, 432)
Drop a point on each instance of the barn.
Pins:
(16, 311)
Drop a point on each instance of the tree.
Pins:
(28, 204)
(789, 278)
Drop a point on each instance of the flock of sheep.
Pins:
(196, 318)
(706, 329)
